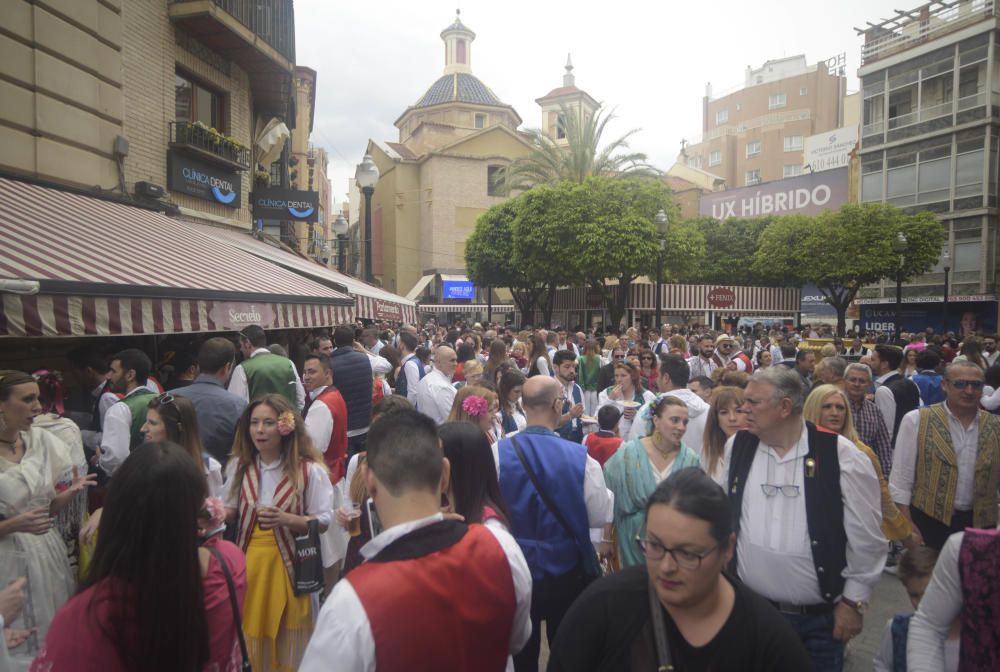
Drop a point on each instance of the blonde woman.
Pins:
(827, 407)
(478, 406)
(277, 484)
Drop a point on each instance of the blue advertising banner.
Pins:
(458, 289)
(814, 303)
(201, 179)
(964, 317)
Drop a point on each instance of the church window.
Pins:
(460, 51)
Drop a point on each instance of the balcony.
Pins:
(257, 35)
(921, 25)
(211, 146)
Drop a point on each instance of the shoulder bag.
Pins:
(237, 621)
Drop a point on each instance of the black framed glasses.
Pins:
(684, 558)
(617, 356)
(771, 490)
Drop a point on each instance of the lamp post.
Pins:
(340, 229)
(899, 247)
(366, 175)
(946, 258)
(661, 226)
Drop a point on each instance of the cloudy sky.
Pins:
(648, 59)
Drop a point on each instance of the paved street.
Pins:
(888, 599)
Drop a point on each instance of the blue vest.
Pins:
(929, 384)
(352, 375)
(559, 466)
(401, 382)
(900, 629)
(572, 430)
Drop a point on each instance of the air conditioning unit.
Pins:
(149, 190)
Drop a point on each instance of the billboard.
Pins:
(830, 150)
(201, 179)
(458, 289)
(814, 303)
(286, 204)
(804, 195)
(964, 316)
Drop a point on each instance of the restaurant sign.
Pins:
(721, 297)
(235, 316)
(284, 204)
(201, 179)
(387, 310)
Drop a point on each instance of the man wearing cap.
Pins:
(263, 372)
(728, 356)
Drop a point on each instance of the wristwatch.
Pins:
(858, 606)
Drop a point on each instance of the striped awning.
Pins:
(372, 303)
(48, 315)
(464, 308)
(690, 299)
(92, 266)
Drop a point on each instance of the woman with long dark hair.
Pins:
(395, 359)
(473, 490)
(541, 363)
(152, 599)
(173, 418)
(512, 416)
(498, 355)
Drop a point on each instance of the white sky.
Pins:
(650, 60)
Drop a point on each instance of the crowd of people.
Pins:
(438, 497)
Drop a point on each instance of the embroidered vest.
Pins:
(439, 598)
(824, 503)
(285, 498)
(936, 472)
(138, 404)
(979, 566)
(268, 373)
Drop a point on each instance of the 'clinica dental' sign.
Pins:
(201, 179)
(804, 195)
(286, 204)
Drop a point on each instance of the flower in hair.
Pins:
(286, 423)
(475, 406)
(214, 512)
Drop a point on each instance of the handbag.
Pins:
(237, 621)
(590, 566)
(308, 561)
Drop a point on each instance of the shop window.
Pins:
(195, 102)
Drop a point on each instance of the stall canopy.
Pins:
(74, 265)
(464, 308)
(372, 303)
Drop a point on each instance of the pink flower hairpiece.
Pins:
(286, 423)
(214, 512)
(475, 406)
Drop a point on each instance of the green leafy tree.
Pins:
(729, 243)
(488, 253)
(582, 156)
(844, 250)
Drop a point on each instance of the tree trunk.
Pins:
(840, 298)
(547, 306)
(618, 303)
(526, 299)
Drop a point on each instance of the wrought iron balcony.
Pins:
(209, 144)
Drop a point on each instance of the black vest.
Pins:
(352, 375)
(824, 503)
(907, 396)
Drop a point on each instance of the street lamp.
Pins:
(661, 225)
(946, 258)
(340, 230)
(367, 176)
(899, 247)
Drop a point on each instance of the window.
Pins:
(776, 100)
(794, 143)
(493, 179)
(803, 90)
(753, 177)
(194, 102)
(480, 121)
(967, 256)
(715, 158)
(721, 117)
(791, 170)
(694, 161)
(460, 51)
(753, 148)
(561, 127)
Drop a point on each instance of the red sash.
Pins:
(285, 499)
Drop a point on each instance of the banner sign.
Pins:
(813, 302)
(830, 150)
(286, 204)
(805, 195)
(964, 317)
(201, 179)
(721, 297)
(458, 289)
(387, 310)
(235, 316)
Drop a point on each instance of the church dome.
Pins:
(458, 87)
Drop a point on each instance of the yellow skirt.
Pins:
(277, 624)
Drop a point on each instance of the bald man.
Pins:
(435, 393)
(540, 472)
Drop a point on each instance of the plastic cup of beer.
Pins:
(353, 513)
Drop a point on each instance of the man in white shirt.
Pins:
(945, 469)
(895, 395)
(412, 371)
(808, 512)
(704, 363)
(673, 381)
(990, 352)
(435, 393)
(433, 593)
(263, 372)
(122, 423)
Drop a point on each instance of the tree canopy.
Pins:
(843, 250)
(729, 245)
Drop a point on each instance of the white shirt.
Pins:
(435, 396)
(699, 366)
(542, 365)
(380, 365)
(238, 382)
(991, 357)
(885, 400)
(319, 421)
(940, 606)
(343, 632)
(213, 474)
(624, 425)
(319, 490)
(775, 556)
(117, 435)
(883, 661)
(904, 460)
(412, 368)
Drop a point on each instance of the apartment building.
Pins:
(757, 133)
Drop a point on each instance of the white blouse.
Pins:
(319, 490)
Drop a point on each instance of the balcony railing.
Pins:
(921, 25)
(209, 144)
(271, 20)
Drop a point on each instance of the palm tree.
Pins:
(550, 161)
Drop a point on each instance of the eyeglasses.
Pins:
(647, 359)
(617, 356)
(786, 490)
(656, 551)
(962, 384)
(165, 399)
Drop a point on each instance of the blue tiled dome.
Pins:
(459, 87)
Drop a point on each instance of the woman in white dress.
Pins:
(627, 394)
(32, 462)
